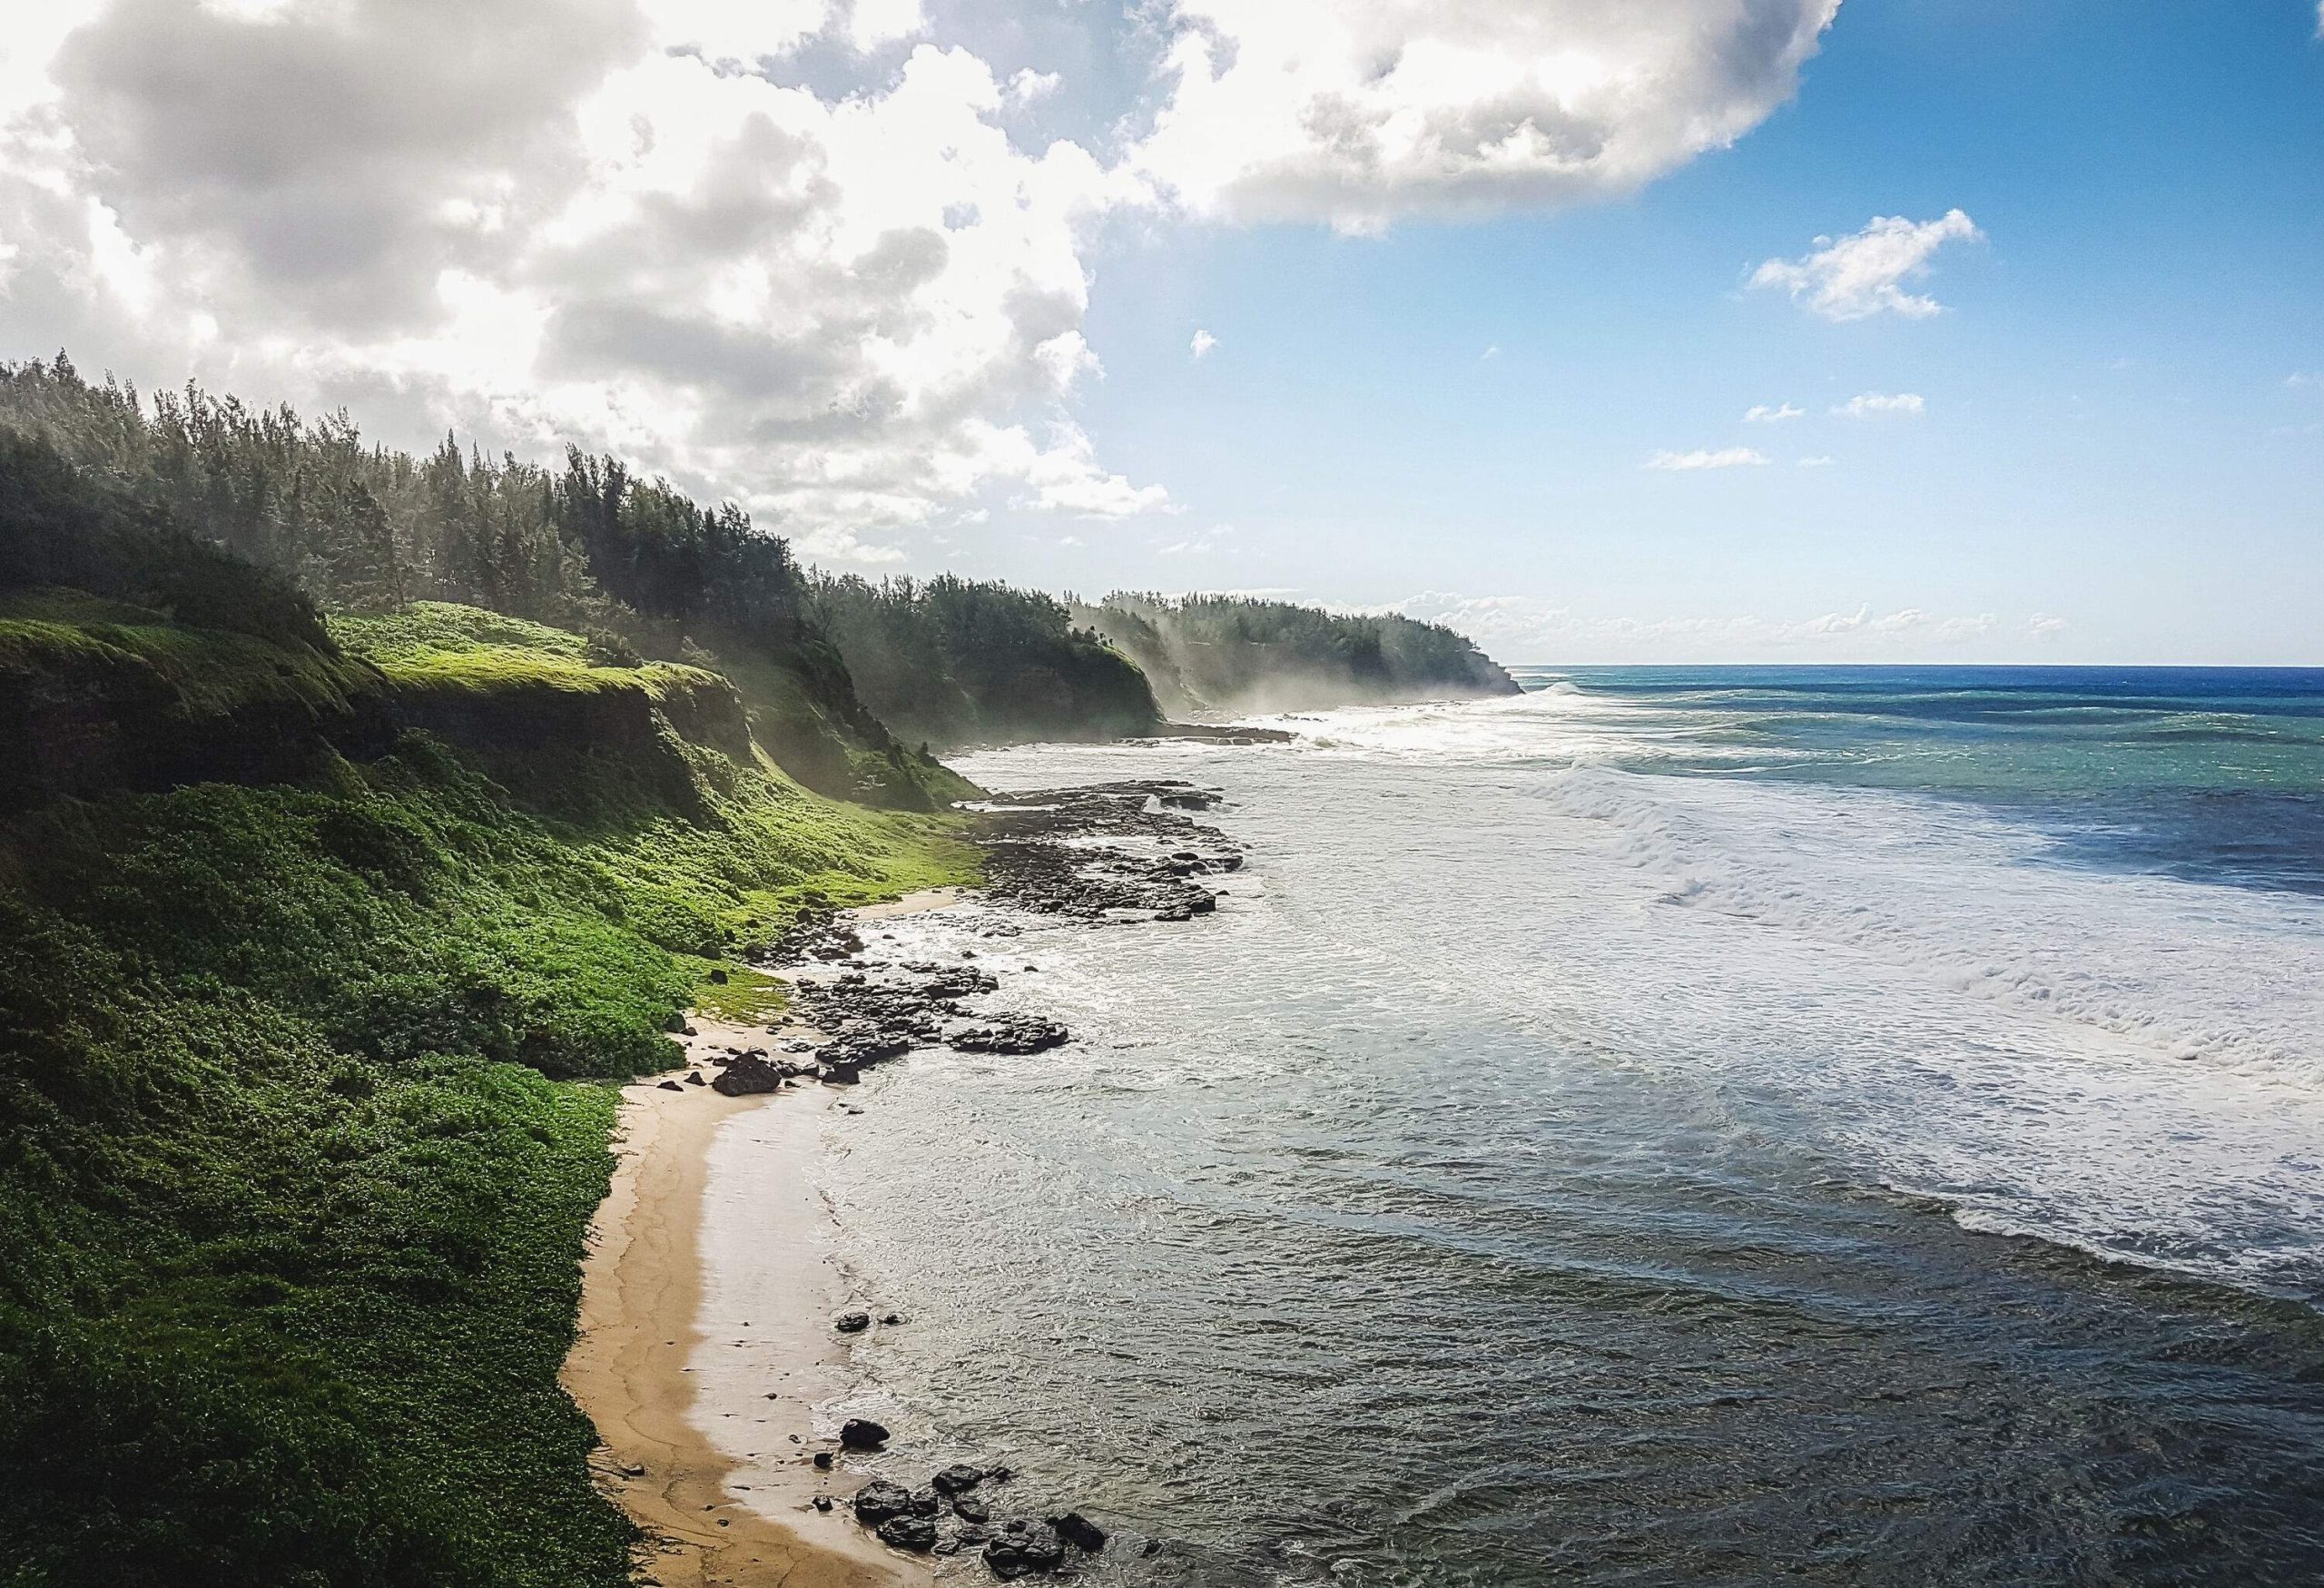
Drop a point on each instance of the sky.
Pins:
(1698, 331)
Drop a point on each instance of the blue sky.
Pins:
(918, 282)
(2109, 437)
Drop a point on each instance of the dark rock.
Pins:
(670, 1086)
(958, 1479)
(927, 1503)
(851, 1323)
(822, 1461)
(968, 1508)
(1023, 1548)
(911, 1532)
(747, 1076)
(862, 1434)
(676, 1025)
(889, 1318)
(838, 1074)
(717, 978)
(878, 1500)
(694, 1078)
(1079, 1531)
(1019, 1034)
(823, 1501)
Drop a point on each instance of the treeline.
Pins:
(632, 563)
(1233, 653)
(828, 665)
(961, 661)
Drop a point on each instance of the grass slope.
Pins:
(298, 1138)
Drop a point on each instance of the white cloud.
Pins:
(1029, 86)
(1064, 477)
(555, 218)
(856, 307)
(1868, 405)
(2042, 626)
(1705, 457)
(1200, 347)
(1195, 545)
(1818, 460)
(1762, 414)
(1360, 113)
(875, 23)
(1864, 274)
(1493, 352)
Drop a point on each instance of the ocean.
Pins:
(1715, 1126)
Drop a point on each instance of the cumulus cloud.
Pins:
(1705, 458)
(1765, 414)
(1864, 274)
(1872, 404)
(2042, 626)
(1359, 113)
(674, 229)
(1816, 460)
(1200, 347)
(576, 218)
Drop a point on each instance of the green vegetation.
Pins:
(1233, 653)
(632, 567)
(300, 1127)
(956, 661)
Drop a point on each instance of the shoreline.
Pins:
(659, 1326)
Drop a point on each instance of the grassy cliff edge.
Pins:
(300, 1126)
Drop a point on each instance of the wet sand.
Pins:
(706, 1336)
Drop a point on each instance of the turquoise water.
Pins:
(1705, 1128)
(2211, 774)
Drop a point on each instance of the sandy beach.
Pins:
(708, 1294)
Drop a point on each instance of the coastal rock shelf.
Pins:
(1109, 848)
(953, 1514)
(1113, 854)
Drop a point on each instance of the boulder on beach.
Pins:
(862, 1434)
(1079, 1531)
(851, 1323)
(911, 1532)
(746, 1076)
(956, 1479)
(878, 1500)
(1022, 1548)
